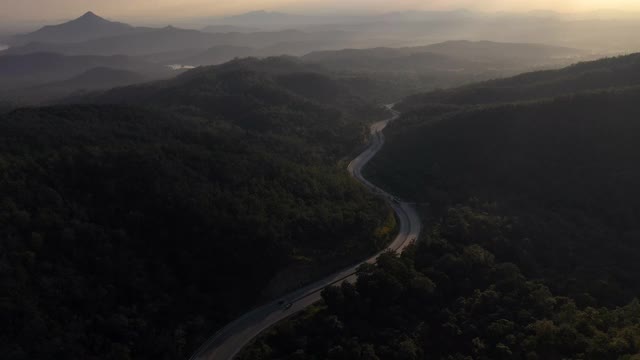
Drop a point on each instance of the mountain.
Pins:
(449, 55)
(134, 212)
(158, 40)
(88, 26)
(344, 90)
(19, 71)
(278, 77)
(532, 237)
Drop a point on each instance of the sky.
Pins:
(16, 11)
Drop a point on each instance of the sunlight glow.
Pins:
(16, 10)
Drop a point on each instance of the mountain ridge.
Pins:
(86, 27)
(19, 71)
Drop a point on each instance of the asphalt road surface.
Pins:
(228, 342)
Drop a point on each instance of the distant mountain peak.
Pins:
(91, 17)
(87, 26)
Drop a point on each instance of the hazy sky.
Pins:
(21, 10)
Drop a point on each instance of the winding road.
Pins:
(228, 342)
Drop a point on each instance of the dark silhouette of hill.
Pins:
(381, 73)
(103, 77)
(19, 71)
(88, 26)
(100, 78)
(411, 70)
(229, 29)
(606, 73)
(452, 55)
(388, 59)
(170, 38)
(501, 52)
(217, 55)
(236, 88)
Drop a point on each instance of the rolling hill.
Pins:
(466, 55)
(412, 70)
(282, 77)
(601, 74)
(168, 39)
(502, 52)
(99, 78)
(387, 59)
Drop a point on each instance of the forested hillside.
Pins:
(566, 168)
(449, 298)
(136, 230)
(247, 91)
(532, 209)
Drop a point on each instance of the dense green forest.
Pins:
(134, 228)
(565, 168)
(449, 298)
(529, 192)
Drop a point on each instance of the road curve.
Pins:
(228, 342)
